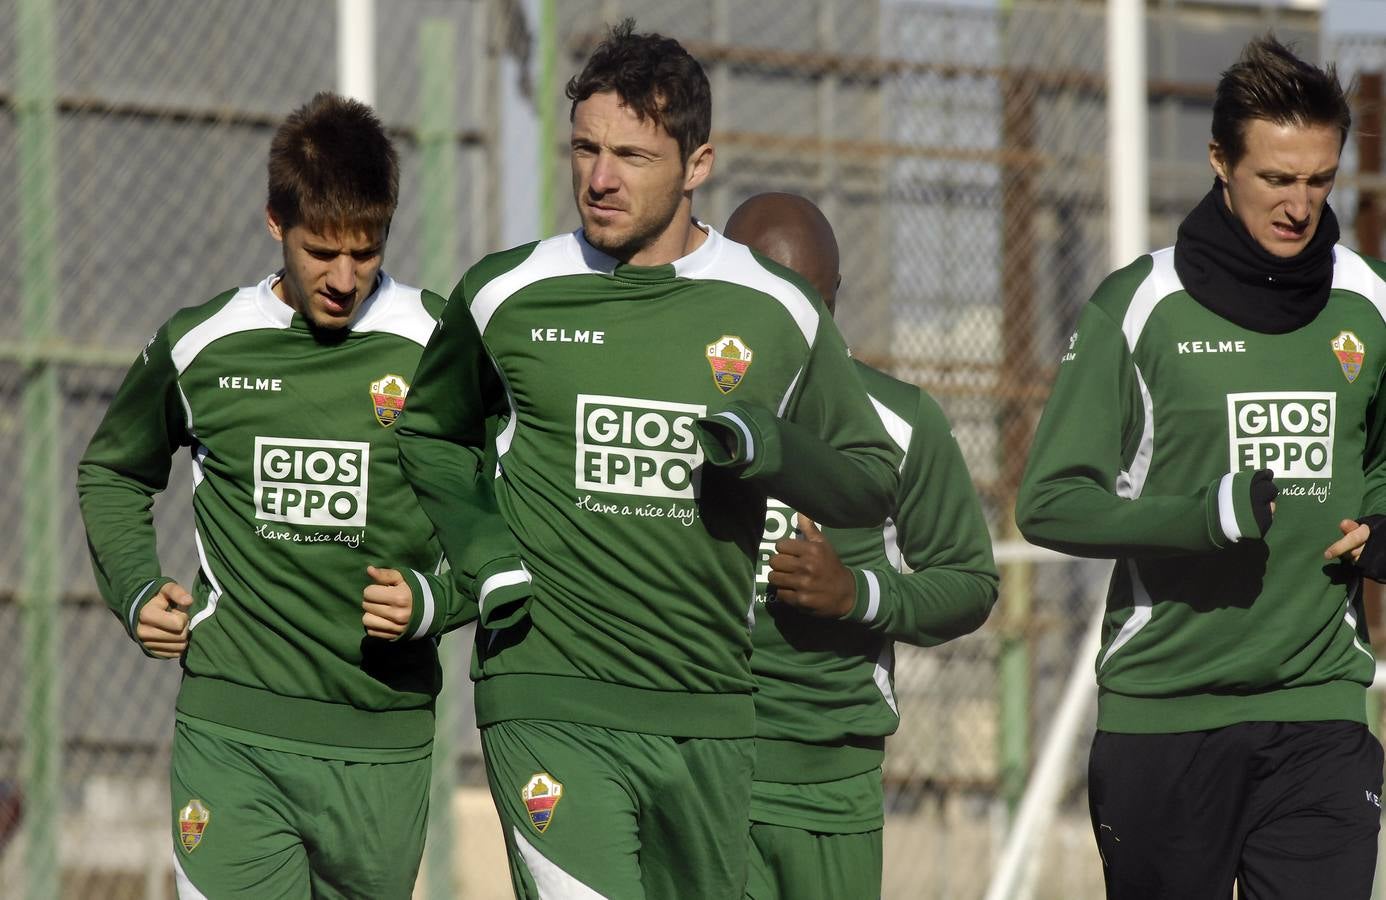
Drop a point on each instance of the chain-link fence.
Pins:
(958, 149)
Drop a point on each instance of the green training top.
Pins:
(1161, 412)
(649, 410)
(825, 696)
(297, 489)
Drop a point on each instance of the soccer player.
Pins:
(659, 380)
(823, 658)
(305, 715)
(1203, 379)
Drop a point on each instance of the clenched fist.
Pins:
(807, 574)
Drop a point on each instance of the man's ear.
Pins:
(276, 231)
(1218, 160)
(699, 167)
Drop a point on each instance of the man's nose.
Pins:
(604, 178)
(341, 274)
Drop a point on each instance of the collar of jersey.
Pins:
(684, 267)
(281, 315)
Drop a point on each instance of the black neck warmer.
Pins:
(1226, 270)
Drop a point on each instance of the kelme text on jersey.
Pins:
(311, 482)
(1288, 432)
(642, 447)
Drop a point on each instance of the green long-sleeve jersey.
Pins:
(297, 489)
(649, 409)
(825, 688)
(1160, 413)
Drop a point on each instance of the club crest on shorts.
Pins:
(1350, 352)
(192, 822)
(388, 396)
(729, 358)
(541, 796)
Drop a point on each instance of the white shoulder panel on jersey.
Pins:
(398, 309)
(1159, 284)
(895, 425)
(719, 259)
(251, 308)
(566, 254)
(1351, 273)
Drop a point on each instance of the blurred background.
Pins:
(961, 149)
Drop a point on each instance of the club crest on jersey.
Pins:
(192, 822)
(1350, 352)
(541, 796)
(729, 358)
(388, 396)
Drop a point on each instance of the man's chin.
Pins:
(329, 329)
(620, 245)
(1285, 248)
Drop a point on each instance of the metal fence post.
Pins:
(438, 265)
(36, 118)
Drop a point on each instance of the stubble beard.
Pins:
(642, 233)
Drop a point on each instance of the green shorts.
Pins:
(250, 822)
(793, 864)
(591, 811)
(818, 841)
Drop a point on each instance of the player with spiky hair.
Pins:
(1218, 427)
(301, 750)
(659, 381)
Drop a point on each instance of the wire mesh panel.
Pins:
(957, 147)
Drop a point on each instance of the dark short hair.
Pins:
(654, 76)
(1270, 82)
(332, 167)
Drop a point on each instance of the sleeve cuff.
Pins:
(734, 438)
(868, 604)
(503, 591)
(425, 618)
(138, 600)
(1230, 518)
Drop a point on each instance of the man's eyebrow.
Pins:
(1281, 173)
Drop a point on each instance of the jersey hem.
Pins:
(266, 713)
(1333, 701)
(305, 748)
(797, 762)
(851, 805)
(567, 699)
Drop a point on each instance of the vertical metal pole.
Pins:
(483, 75)
(1018, 213)
(720, 206)
(1370, 220)
(546, 102)
(36, 119)
(356, 49)
(1015, 681)
(438, 266)
(1128, 150)
(1014, 876)
(828, 181)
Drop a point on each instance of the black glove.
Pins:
(1263, 491)
(1372, 562)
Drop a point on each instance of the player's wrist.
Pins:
(735, 438)
(146, 592)
(866, 599)
(424, 612)
(503, 591)
(1372, 561)
(1237, 507)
